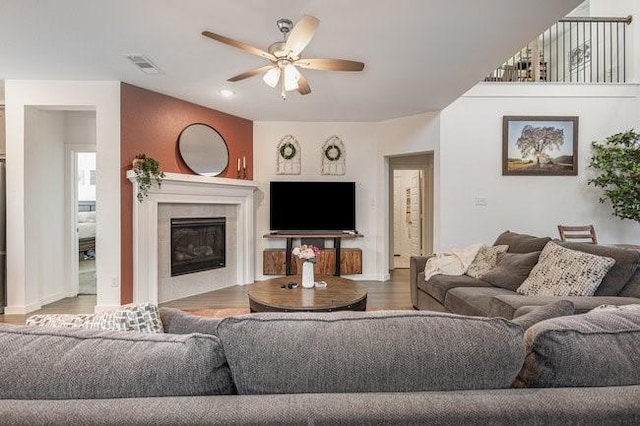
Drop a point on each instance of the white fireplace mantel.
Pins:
(188, 189)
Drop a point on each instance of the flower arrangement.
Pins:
(307, 253)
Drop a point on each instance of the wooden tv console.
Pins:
(279, 261)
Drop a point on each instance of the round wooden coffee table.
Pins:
(340, 294)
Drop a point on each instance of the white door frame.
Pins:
(71, 217)
(424, 163)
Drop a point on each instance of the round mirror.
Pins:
(203, 149)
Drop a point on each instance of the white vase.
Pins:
(307, 275)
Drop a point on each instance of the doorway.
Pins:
(410, 208)
(86, 221)
(82, 218)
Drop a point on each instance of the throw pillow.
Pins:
(512, 269)
(632, 307)
(521, 243)
(58, 320)
(143, 317)
(486, 258)
(564, 272)
(561, 308)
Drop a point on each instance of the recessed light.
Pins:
(227, 93)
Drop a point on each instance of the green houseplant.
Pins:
(147, 172)
(617, 166)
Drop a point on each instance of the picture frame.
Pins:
(554, 154)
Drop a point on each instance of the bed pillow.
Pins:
(485, 260)
(86, 217)
(512, 269)
(565, 272)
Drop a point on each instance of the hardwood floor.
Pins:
(391, 294)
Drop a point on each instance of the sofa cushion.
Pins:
(632, 289)
(177, 321)
(69, 363)
(521, 243)
(384, 351)
(472, 301)
(561, 308)
(626, 264)
(512, 269)
(438, 285)
(486, 258)
(564, 272)
(506, 305)
(594, 349)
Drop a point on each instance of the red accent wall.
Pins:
(151, 123)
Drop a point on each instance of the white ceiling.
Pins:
(420, 55)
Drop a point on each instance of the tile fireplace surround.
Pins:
(188, 189)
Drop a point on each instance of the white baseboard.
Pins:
(55, 297)
(22, 310)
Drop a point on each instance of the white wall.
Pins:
(471, 155)
(44, 203)
(104, 97)
(360, 140)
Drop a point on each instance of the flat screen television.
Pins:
(312, 206)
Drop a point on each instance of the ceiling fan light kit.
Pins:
(284, 57)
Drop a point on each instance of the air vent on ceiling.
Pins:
(144, 64)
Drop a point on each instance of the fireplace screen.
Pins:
(197, 244)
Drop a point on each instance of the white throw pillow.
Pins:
(564, 272)
(486, 259)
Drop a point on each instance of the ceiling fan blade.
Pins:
(303, 86)
(301, 35)
(330, 64)
(240, 45)
(250, 73)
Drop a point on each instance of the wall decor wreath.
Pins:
(288, 151)
(333, 152)
(333, 156)
(288, 156)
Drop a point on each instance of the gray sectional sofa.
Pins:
(495, 294)
(340, 368)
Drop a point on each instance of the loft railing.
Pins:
(578, 50)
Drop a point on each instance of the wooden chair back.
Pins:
(583, 233)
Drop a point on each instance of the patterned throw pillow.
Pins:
(142, 317)
(565, 272)
(58, 320)
(485, 260)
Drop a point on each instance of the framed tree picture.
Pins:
(539, 146)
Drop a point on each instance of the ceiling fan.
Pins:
(284, 57)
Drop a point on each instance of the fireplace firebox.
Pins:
(197, 244)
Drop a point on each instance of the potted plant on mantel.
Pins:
(617, 164)
(147, 172)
